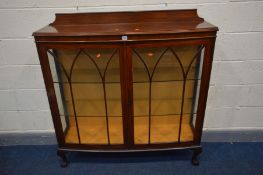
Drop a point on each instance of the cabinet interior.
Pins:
(165, 93)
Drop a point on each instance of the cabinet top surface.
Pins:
(126, 23)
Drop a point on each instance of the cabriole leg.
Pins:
(63, 159)
(196, 152)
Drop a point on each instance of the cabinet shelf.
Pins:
(163, 131)
(156, 115)
(136, 82)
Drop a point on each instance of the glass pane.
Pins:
(87, 86)
(164, 84)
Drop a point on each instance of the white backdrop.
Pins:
(235, 99)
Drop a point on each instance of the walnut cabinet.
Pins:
(127, 81)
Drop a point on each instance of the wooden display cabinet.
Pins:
(127, 81)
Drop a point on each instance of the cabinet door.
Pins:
(165, 82)
(88, 93)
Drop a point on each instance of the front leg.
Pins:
(196, 152)
(64, 161)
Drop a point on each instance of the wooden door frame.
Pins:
(208, 44)
(48, 80)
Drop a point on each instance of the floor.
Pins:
(217, 158)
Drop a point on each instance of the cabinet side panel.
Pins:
(42, 52)
(204, 86)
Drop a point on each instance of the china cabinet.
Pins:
(127, 81)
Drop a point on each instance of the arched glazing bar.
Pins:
(68, 77)
(185, 74)
(103, 77)
(150, 77)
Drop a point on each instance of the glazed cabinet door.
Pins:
(86, 81)
(165, 82)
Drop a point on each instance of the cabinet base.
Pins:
(197, 150)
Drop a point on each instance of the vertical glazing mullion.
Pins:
(150, 111)
(102, 76)
(104, 91)
(149, 107)
(183, 91)
(105, 96)
(74, 111)
(150, 89)
(106, 109)
(72, 94)
(182, 110)
(150, 76)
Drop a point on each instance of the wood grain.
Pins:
(126, 23)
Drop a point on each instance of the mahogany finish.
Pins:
(126, 23)
(125, 31)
